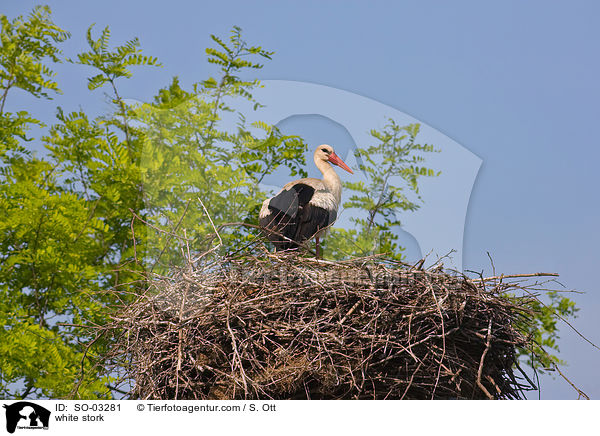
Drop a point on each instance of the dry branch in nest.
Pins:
(280, 326)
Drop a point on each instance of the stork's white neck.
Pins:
(330, 178)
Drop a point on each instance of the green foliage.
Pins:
(545, 329)
(392, 168)
(26, 44)
(47, 244)
(48, 273)
(13, 130)
(99, 159)
(231, 59)
(111, 64)
(66, 234)
(112, 196)
(190, 163)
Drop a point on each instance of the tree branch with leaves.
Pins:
(391, 168)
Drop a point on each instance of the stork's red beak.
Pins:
(335, 159)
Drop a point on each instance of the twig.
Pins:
(579, 391)
(180, 344)
(170, 234)
(437, 378)
(480, 370)
(350, 312)
(237, 356)
(82, 364)
(514, 276)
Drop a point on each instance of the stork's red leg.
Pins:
(318, 254)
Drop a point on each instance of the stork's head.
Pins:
(325, 152)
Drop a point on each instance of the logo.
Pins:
(26, 415)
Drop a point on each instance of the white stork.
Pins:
(305, 208)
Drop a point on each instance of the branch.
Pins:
(4, 95)
(514, 276)
(579, 391)
(123, 112)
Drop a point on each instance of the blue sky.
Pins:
(516, 83)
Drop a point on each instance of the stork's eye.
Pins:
(325, 150)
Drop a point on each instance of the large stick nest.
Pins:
(282, 326)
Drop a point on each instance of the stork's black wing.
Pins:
(286, 214)
(313, 219)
